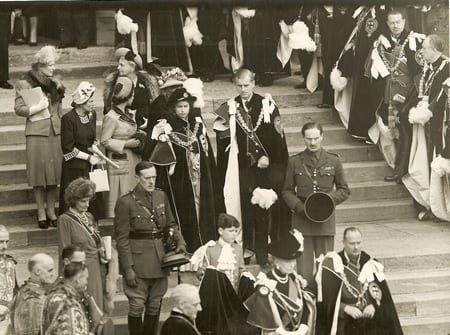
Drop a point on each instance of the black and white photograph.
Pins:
(225, 167)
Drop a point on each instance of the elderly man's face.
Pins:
(4, 240)
(47, 271)
(429, 53)
(396, 24)
(352, 243)
(192, 306)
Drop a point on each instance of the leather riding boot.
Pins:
(150, 326)
(134, 325)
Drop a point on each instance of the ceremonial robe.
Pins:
(385, 320)
(268, 140)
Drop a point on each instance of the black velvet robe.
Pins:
(223, 311)
(196, 230)
(384, 322)
(255, 220)
(178, 323)
(362, 114)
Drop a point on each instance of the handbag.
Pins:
(100, 178)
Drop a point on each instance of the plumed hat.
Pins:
(83, 92)
(180, 94)
(288, 246)
(172, 77)
(125, 24)
(123, 87)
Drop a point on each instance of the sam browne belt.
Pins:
(157, 235)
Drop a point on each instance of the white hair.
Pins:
(183, 293)
(46, 55)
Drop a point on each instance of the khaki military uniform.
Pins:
(140, 218)
(26, 309)
(306, 174)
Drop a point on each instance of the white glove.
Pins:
(94, 160)
(40, 106)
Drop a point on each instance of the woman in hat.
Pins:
(119, 137)
(191, 172)
(168, 82)
(295, 305)
(78, 134)
(146, 87)
(77, 227)
(42, 132)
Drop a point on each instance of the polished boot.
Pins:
(134, 325)
(150, 326)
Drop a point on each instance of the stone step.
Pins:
(377, 190)
(354, 171)
(422, 304)
(215, 93)
(23, 55)
(375, 210)
(15, 194)
(79, 71)
(348, 152)
(428, 281)
(22, 218)
(436, 325)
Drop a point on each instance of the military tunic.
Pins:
(140, 219)
(64, 312)
(304, 176)
(26, 309)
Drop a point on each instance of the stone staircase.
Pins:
(419, 278)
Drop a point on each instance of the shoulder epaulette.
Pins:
(333, 153)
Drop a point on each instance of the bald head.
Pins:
(42, 268)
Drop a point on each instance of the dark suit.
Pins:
(323, 175)
(139, 250)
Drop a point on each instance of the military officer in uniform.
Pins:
(8, 281)
(141, 217)
(26, 308)
(313, 170)
(64, 310)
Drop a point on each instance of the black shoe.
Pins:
(301, 85)
(395, 177)
(19, 41)
(82, 46)
(33, 44)
(43, 224)
(6, 85)
(52, 223)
